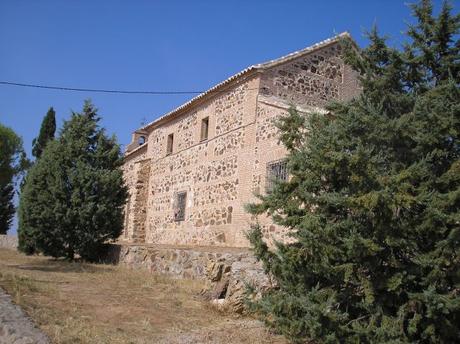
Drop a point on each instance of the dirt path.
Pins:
(15, 326)
(87, 303)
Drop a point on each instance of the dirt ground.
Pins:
(75, 302)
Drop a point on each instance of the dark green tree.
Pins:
(72, 202)
(47, 131)
(46, 134)
(373, 201)
(7, 208)
(13, 161)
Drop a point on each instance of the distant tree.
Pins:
(373, 201)
(46, 134)
(7, 208)
(72, 202)
(47, 131)
(12, 162)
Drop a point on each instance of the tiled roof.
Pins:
(245, 72)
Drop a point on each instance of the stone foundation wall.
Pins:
(225, 271)
(8, 241)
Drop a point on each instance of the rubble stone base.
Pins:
(226, 271)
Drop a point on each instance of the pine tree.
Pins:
(13, 162)
(373, 201)
(47, 131)
(72, 202)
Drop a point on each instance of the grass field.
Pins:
(77, 302)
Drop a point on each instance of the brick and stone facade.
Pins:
(168, 159)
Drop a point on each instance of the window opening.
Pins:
(204, 129)
(169, 148)
(179, 208)
(276, 171)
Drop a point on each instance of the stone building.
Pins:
(191, 171)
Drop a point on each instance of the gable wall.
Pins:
(311, 80)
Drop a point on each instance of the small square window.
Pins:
(179, 206)
(276, 171)
(170, 144)
(204, 129)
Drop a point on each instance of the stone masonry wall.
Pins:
(267, 149)
(311, 80)
(215, 173)
(140, 197)
(130, 175)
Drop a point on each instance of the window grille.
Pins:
(204, 129)
(179, 208)
(276, 171)
(169, 147)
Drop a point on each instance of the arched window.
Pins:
(141, 140)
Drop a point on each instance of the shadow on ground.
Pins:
(55, 265)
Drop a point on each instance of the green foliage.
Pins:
(7, 209)
(72, 201)
(47, 131)
(373, 201)
(13, 162)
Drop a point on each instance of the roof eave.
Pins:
(248, 72)
(212, 92)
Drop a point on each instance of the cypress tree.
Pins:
(72, 202)
(47, 131)
(373, 201)
(13, 162)
(46, 134)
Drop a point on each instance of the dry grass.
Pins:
(88, 303)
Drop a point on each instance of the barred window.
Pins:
(276, 171)
(179, 206)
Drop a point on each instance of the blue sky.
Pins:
(159, 46)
